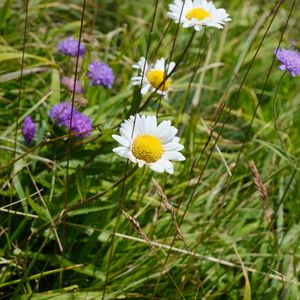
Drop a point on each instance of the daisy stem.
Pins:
(187, 91)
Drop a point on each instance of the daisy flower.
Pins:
(290, 60)
(197, 14)
(146, 143)
(154, 77)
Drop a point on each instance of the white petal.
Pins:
(122, 151)
(136, 78)
(121, 140)
(159, 92)
(141, 163)
(173, 146)
(168, 166)
(189, 3)
(174, 8)
(145, 88)
(162, 165)
(173, 155)
(126, 133)
(165, 132)
(142, 125)
(178, 3)
(187, 25)
(171, 66)
(157, 167)
(162, 64)
(173, 16)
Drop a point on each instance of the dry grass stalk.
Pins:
(168, 207)
(137, 227)
(264, 196)
(261, 189)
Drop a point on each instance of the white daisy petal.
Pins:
(167, 165)
(126, 133)
(141, 163)
(157, 167)
(173, 146)
(121, 140)
(166, 132)
(122, 151)
(171, 66)
(173, 155)
(145, 88)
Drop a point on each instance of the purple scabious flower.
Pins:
(69, 46)
(290, 60)
(61, 113)
(29, 130)
(68, 82)
(81, 124)
(100, 74)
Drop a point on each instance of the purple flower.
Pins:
(81, 124)
(290, 60)
(61, 113)
(29, 130)
(68, 82)
(100, 74)
(69, 46)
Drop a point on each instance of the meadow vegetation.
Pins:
(80, 222)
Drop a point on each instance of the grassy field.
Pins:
(80, 222)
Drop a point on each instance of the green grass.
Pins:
(119, 241)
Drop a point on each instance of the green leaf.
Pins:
(90, 209)
(40, 211)
(5, 12)
(55, 87)
(136, 101)
(17, 74)
(9, 53)
(247, 290)
(80, 183)
(20, 191)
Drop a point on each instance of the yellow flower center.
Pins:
(158, 80)
(197, 13)
(147, 148)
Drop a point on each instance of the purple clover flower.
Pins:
(81, 124)
(29, 130)
(100, 74)
(68, 82)
(290, 60)
(69, 46)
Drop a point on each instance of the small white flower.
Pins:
(145, 143)
(153, 77)
(197, 14)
